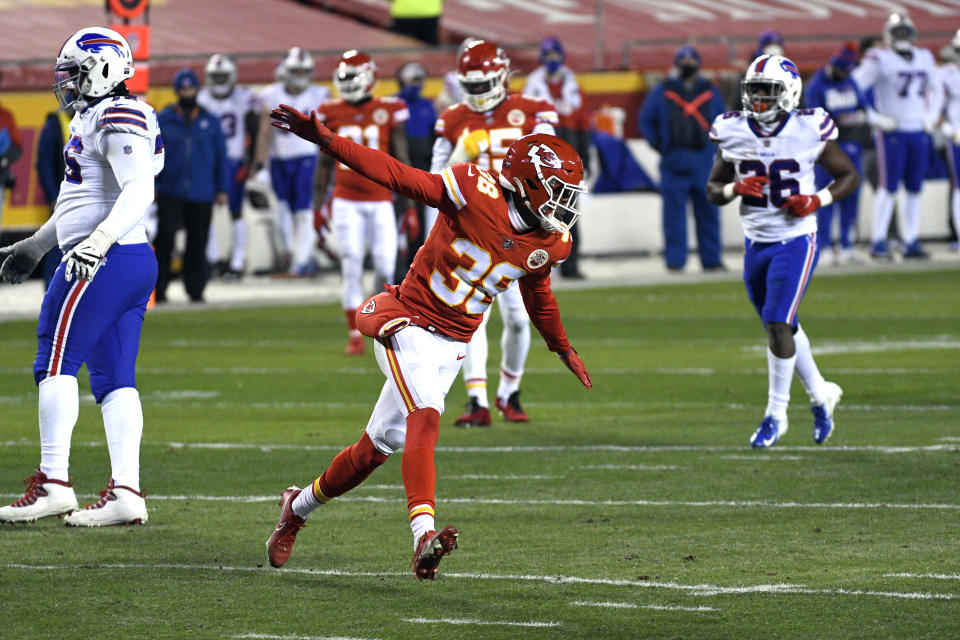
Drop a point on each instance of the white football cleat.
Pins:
(823, 424)
(117, 505)
(44, 497)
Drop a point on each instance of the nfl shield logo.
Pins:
(127, 149)
(507, 242)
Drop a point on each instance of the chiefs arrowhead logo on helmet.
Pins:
(544, 157)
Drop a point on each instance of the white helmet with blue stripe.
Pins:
(91, 63)
(771, 88)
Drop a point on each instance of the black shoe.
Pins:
(716, 267)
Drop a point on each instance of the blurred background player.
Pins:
(533, 202)
(450, 92)
(193, 179)
(767, 156)
(235, 106)
(93, 311)
(906, 91)
(363, 212)
(293, 161)
(950, 77)
(556, 83)
(675, 120)
(833, 90)
(11, 148)
(423, 117)
(479, 130)
(50, 167)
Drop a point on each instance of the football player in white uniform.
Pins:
(93, 311)
(906, 91)
(292, 160)
(950, 77)
(767, 154)
(233, 105)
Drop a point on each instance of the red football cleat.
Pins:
(430, 549)
(476, 416)
(281, 540)
(511, 409)
(355, 346)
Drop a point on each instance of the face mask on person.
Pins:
(187, 103)
(687, 71)
(411, 92)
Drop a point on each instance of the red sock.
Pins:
(351, 315)
(350, 468)
(416, 465)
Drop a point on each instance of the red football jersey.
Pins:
(516, 116)
(369, 123)
(474, 253)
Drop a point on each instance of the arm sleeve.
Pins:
(865, 75)
(935, 94)
(388, 172)
(442, 150)
(571, 92)
(543, 311)
(131, 158)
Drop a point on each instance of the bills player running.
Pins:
(362, 210)
(93, 311)
(232, 105)
(906, 90)
(767, 156)
(950, 77)
(479, 130)
(292, 160)
(462, 266)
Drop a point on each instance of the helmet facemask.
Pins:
(220, 83)
(483, 92)
(763, 99)
(67, 83)
(352, 84)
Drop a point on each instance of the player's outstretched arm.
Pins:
(372, 163)
(845, 181)
(545, 314)
(18, 260)
(722, 186)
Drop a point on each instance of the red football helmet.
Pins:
(547, 173)
(355, 76)
(483, 69)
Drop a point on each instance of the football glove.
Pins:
(84, 260)
(801, 206)
(751, 186)
(304, 126)
(19, 260)
(410, 223)
(575, 364)
(321, 217)
(476, 142)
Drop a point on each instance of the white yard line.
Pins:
(632, 605)
(706, 590)
(756, 458)
(932, 576)
(270, 636)
(760, 504)
(474, 622)
(274, 446)
(633, 467)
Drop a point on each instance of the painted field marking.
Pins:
(693, 589)
(268, 447)
(270, 636)
(822, 349)
(631, 605)
(633, 467)
(770, 458)
(475, 622)
(933, 576)
(562, 502)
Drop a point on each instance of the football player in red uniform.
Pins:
(362, 210)
(479, 130)
(495, 229)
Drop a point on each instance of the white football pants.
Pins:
(514, 343)
(358, 225)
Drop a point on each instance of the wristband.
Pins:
(825, 196)
(728, 190)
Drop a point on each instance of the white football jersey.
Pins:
(786, 154)
(232, 112)
(89, 188)
(907, 90)
(950, 79)
(283, 144)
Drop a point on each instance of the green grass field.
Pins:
(634, 510)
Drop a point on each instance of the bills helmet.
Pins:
(355, 76)
(220, 75)
(482, 70)
(547, 174)
(91, 63)
(899, 32)
(771, 88)
(297, 69)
